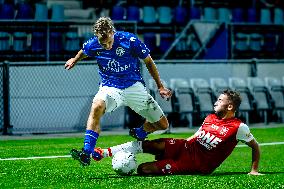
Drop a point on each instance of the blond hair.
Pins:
(103, 27)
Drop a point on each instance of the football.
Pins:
(124, 163)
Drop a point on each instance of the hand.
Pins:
(70, 63)
(255, 173)
(165, 93)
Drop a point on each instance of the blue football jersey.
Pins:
(119, 67)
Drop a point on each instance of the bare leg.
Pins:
(162, 124)
(97, 111)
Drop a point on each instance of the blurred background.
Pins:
(201, 47)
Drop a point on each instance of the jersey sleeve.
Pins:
(139, 48)
(244, 133)
(87, 46)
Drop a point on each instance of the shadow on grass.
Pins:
(244, 173)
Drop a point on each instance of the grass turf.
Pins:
(66, 173)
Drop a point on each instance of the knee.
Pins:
(164, 124)
(98, 108)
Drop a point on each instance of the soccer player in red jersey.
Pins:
(204, 151)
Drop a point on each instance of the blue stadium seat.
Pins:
(20, 41)
(57, 12)
(38, 42)
(117, 13)
(180, 15)
(72, 42)
(278, 16)
(164, 15)
(195, 13)
(24, 11)
(133, 13)
(4, 41)
(241, 42)
(265, 16)
(55, 42)
(255, 42)
(165, 42)
(224, 15)
(252, 15)
(238, 15)
(150, 40)
(210, 14)
(7, 11)
(270, 42)
(149, 15)
(41, 11)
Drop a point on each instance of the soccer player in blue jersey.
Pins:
(118, 56)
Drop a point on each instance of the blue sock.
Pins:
(90, 141)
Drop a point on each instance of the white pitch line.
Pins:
(28, 158)
(263, 144)
(68, 156)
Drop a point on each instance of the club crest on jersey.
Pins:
(207, 139)
(119, 51)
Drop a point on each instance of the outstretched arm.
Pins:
(255, 157)
(72, 61)
(151, 66)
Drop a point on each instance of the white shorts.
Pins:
(136, 97)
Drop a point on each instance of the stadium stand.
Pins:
(203, 94)
(183, 99)
(276, 90)
(261, 96)
(246, 106)
(218, 85)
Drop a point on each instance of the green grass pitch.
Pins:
(67, 173)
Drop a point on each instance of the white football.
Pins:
(124, 163)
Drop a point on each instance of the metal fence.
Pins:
(43, 97)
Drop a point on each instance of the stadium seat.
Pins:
(252, 15)
(164, 15)
(194, 13)
(24, 11)
(241, 42)
(55, 42)
(166, 41)
(276, 89)
(117, 13)
(4, 41)
(210, 14)
(72, 42)
(224, 15)
(238, 15)
(166, 106)
(149, 15)
(265, 16)
(180, 15)
(271, 42)
(218, 85)
(183, 99)
(150, 40)
(278, 16)
(241, 86)
(41, 11)
(57, 12)
(203, 94)
(38, 41)
(20, 41)
(261, 96)
(133, 13)
(255, 42)
(7, 11)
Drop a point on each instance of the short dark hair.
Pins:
(234, 97)
(103, 27)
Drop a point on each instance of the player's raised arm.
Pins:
(152, 68)
(255, 157)
(72, 61)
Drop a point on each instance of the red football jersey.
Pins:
(215, 141)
